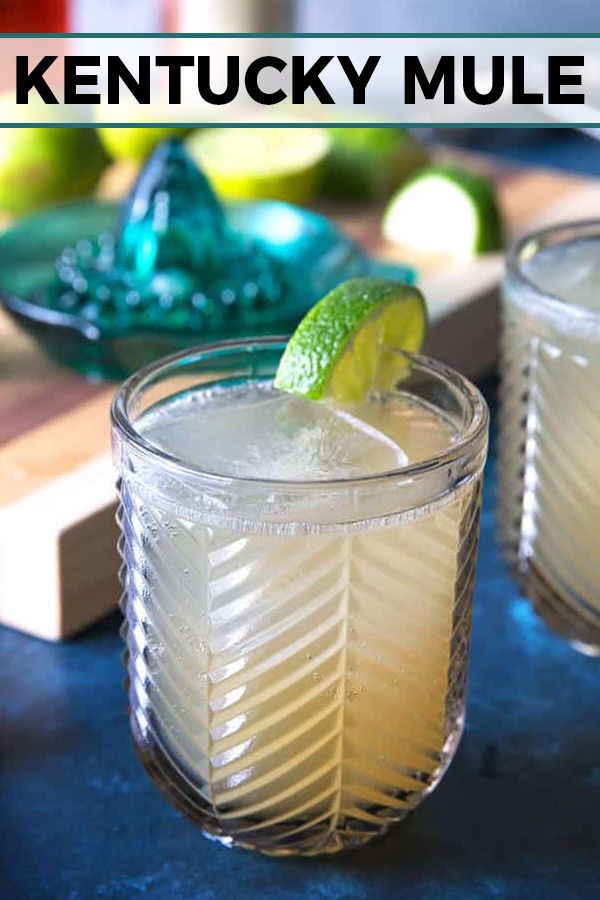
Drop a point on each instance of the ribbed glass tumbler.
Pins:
(297, 651)
(549, 455)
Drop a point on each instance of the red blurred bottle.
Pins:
(33, 16)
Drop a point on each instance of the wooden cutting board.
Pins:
(58, 559)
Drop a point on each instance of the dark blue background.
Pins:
(516, 818)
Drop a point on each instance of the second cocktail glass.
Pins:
(298, 605)
(549, 499)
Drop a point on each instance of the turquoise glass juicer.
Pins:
(106, 289)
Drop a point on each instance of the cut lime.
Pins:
(445, 210)
(262, 163)
(344, 346)
(368, 163)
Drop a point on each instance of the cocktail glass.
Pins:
(297, 647)
(549, 498)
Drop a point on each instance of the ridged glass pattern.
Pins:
(549, 468)
(297, 694)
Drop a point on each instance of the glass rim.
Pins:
(470, 435)
(538, 240)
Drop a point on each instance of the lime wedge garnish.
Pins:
(445, 210)
(345, 345)
(262, 163)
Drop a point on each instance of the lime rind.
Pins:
(340, 345)
(369, 163)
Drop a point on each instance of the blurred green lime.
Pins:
(135, 143)
(445, 210)
(262, 163)
(368, 163)
(41, 166)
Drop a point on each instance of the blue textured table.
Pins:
(517, 816)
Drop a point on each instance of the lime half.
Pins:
(344, 347)
(262, 163)
(445, 210)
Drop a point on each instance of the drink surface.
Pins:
(570, 271)
(549, 499)
(255, 431)
(297, 693)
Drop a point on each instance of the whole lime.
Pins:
(135, 143)
(368, 163)
(41, 166)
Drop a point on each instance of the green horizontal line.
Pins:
(301, 34)
(300, 124)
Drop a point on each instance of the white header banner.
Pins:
(236, 79)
